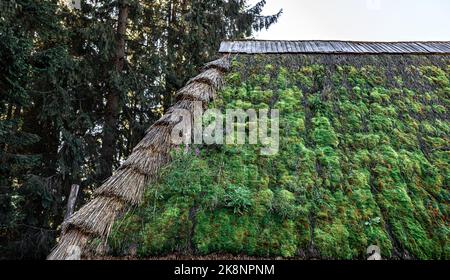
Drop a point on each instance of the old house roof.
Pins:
(406, 93)
(331, 47)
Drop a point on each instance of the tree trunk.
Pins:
(71, 202)
(112, 100)
(170, 75)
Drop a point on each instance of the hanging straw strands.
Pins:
(211, 76)
(126, 187)
(128, 183)
(97, 216)
(222, 65)
(156, 139)
(196, 91)
(144, 161)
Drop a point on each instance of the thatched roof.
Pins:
(125, 188)
(336, 47)
(363, 159)
(367, 163)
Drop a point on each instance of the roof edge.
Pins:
(333, 47)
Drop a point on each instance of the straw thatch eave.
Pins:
(126, 187)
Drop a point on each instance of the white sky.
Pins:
(364, 20)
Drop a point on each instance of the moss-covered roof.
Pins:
(363, 159)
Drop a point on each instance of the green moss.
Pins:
(363, 160)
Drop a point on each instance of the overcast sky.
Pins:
(365, 20)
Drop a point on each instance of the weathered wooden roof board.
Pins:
(260, 47)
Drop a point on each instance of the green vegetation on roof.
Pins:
(364, 159)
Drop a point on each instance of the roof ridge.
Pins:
(345, 41)
(250, 46)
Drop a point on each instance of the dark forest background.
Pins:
(78, 89)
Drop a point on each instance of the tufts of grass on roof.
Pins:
(364, 159)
